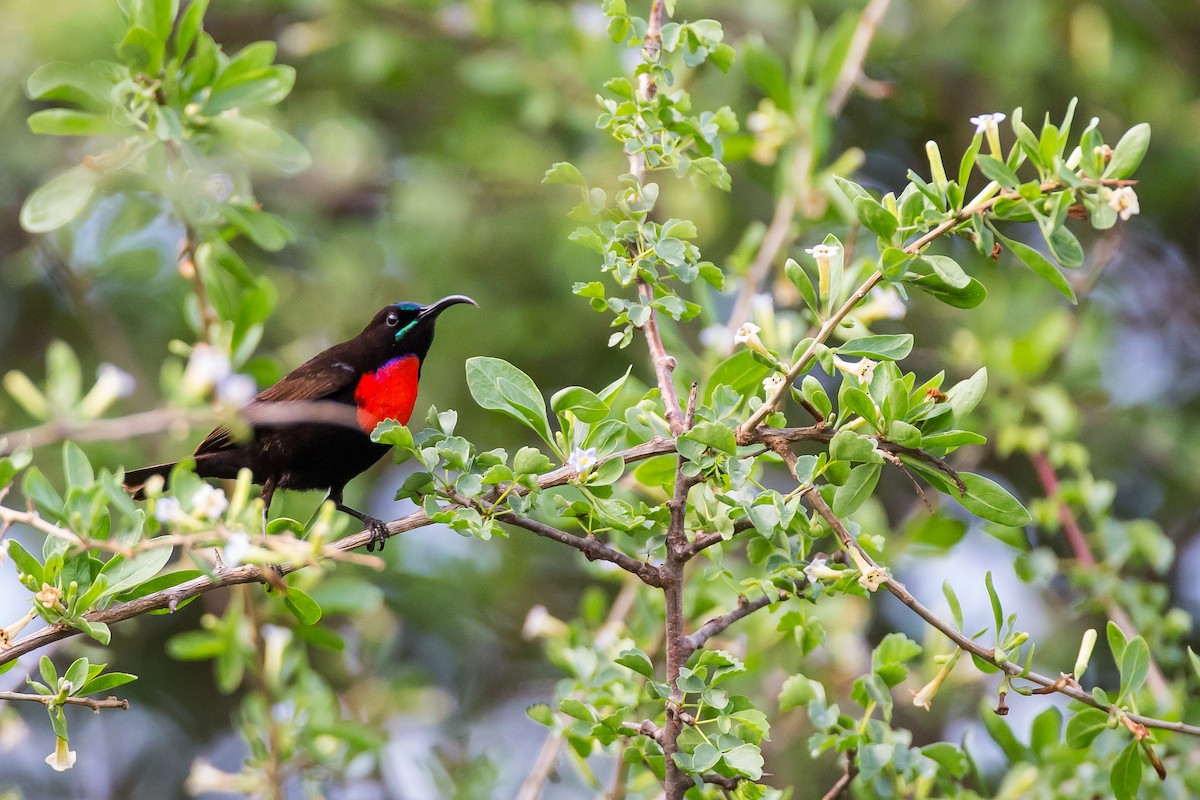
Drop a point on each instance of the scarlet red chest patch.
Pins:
(387, 393)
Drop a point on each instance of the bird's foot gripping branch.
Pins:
(740, 481)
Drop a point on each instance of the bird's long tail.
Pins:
(135, 479)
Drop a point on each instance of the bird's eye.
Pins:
(393, 319)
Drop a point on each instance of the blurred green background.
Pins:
(430, 125)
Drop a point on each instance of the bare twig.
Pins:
(93, 704)
(716, 625)
(1083, 554)
(856, 54)
(775, 240)
(838, 787)
(167, 419)
(592, 548)
(900, 591)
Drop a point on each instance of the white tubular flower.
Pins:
(168, 510)
(863, 369)
(581, 459)
(817, 572)
(822, 253)
(540, 623)
(871, 576)
(884, 304)
(712, 336)
(49, 597)
(209, 502)
(9, 633)
(989, 125)
(236, 390)
(236, 548)
(983, 120)
(923, 698)
(61, 759)
(748, 335)
(206, 368)
(112, 383)
(762, 302)
(1124, 201)
(772, 383)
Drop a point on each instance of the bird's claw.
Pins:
(379, 533)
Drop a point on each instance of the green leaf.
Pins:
(77, 673)
(1040, 265)
(858, 487)
(889, 347)
(998, 171)
(303, 606)
(541, 713)
(585, 404)
(56, 203)
(125, 573)
(745, 759)
(189, 26)
(141, 50)
(766, 70)
(531, 461)
(799, 278)
(988, 500)
(497, 385)
(637, 661)
(195, 646)
(741, 371)
(848, 445)
(259, 88)
(565, 173)
(952, 601)
(80, 84)
(264, 229)
(48, 672)
(24, 562)
(875, 217)
(76, 467)
(107, 682)
(1128, 154)
(994, 598)
(1117, 640)
(607, 473)
(1135, 666)
(1085, 726)
(965, 395)
(1065, 246)
(947, 269)
(69, 122)
(1126, 774)
(797, 691)
(714, 435)
(704, 757)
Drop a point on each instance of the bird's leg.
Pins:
(377, 527)
(268, 491)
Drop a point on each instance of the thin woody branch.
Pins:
(591, 547)
(716, 625)
(746, 429)
(900, 591)
(46, 700)
(1083, 553)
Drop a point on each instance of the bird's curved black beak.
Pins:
(433, 309)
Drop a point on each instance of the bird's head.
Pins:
(407, 328)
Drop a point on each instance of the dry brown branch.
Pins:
(93, 704)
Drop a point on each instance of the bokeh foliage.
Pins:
(429, 127)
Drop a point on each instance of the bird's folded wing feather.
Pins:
(320, 378)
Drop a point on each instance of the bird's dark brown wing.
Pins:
(320, 378)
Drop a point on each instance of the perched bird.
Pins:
(373, 376)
